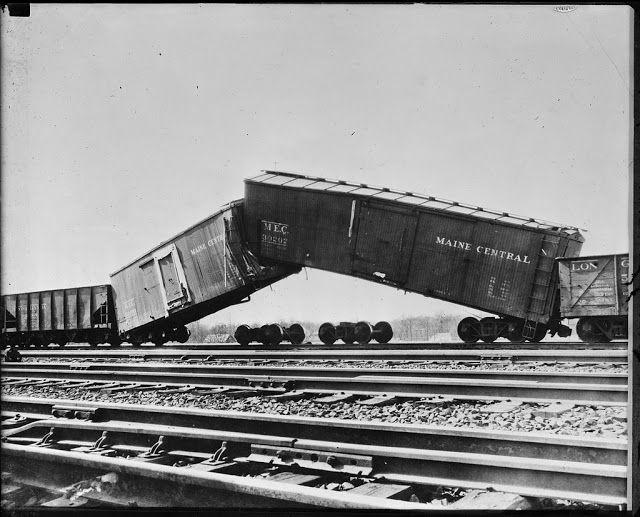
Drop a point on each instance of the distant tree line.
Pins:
(412, 328)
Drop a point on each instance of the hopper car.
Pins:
(492, 261)
(82, 314)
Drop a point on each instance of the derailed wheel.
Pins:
(295, 334)
(382, 332)
(468, 330)
(327, 333)
(271, 334)
(243, 335)
(348, 333)
(362, 332)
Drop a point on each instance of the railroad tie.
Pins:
(293, 395)
(339, 397)
(500, 407)
(553, 410)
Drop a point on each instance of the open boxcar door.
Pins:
(172, 280)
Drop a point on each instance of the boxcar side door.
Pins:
(384, 243)
(172, 278)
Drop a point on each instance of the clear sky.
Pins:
(124, 124)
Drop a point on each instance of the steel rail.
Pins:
(254, 487)
(465, 439)
(467, 354)
(529, 464)
(397, 345)
(409, 386)
(282, 369)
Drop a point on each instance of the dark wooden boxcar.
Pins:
(595, 289)
(79, 314)
(198, 272)
(496, 262)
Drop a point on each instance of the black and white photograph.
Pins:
(318, 257)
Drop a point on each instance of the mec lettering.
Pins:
(272, 227)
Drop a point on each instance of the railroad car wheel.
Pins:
(348, 334)
(490, 335)
(243, 335)
(362, 332)
(383, 332)
(602, 331)
(271, 334)
(541, 332)
(36, 342)
(327, 333)
(295, 333)
(468, 330)
(515, 334)
(182, 335)
(159, 337)
(584, 329)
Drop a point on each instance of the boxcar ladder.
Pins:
(543, 275)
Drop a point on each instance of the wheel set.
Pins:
(361, 332)
(270, 335)
(471, 330)
(602, 330)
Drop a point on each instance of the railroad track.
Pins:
(317, 452)
(373, 345)
(248, 397)
(598, 387)
(587, 373)
(351, 354)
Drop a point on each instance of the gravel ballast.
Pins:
(581, 420)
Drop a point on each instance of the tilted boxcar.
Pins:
(198, 272)
(492, 261)
(80, 314)
(595, 289)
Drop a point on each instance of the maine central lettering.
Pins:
(482, 250)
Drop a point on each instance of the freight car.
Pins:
(595, 289)
(198, 272)
(492, 261)
(82, 314)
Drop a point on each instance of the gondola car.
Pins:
(595, 289)
(492, 261)
(80, 314)
(200, 271)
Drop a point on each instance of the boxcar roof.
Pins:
(169, 241)
(590, 257)
(299, 181)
